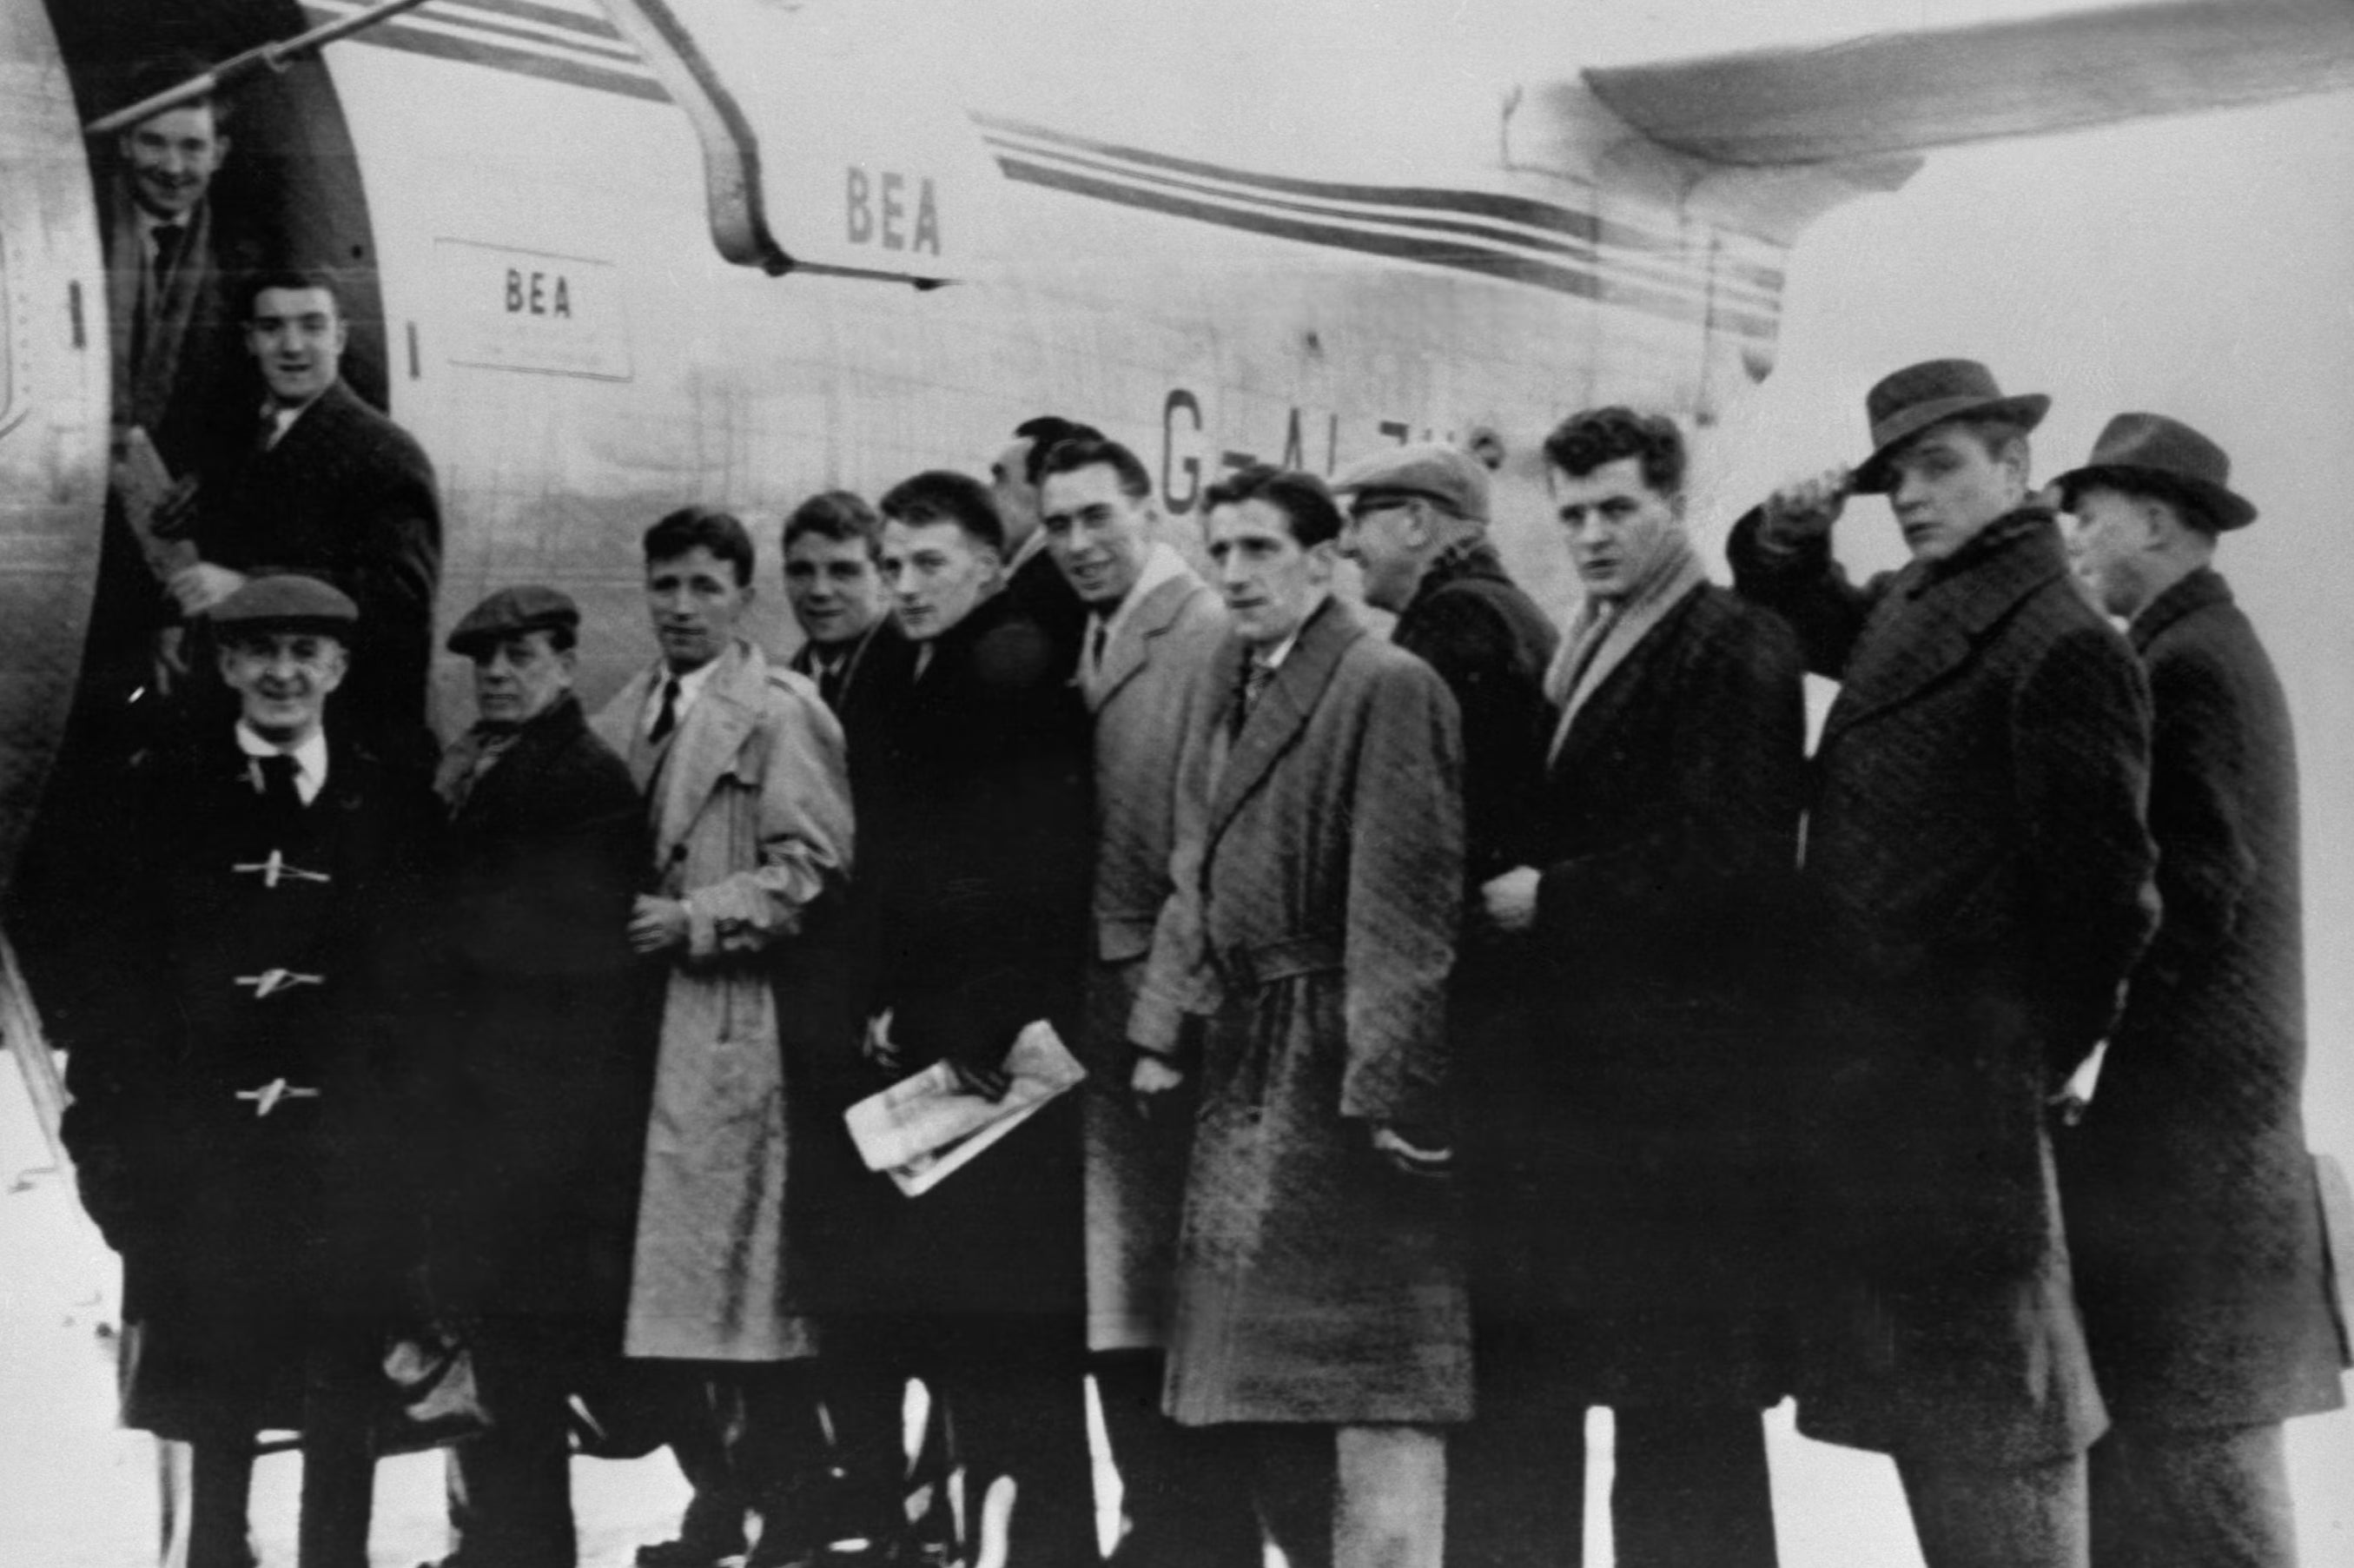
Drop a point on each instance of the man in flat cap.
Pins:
(537, 1084)
(2191, 1205)
(1980, 884)
(1630, 1156)
(230, 1121)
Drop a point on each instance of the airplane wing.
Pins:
(1883, 96)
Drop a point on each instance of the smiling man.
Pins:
(1299, 979)
(1628, 1158)
(1979, 878)
(748, 795)
(233, 1102)
(327, 485)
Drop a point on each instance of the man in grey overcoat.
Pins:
(1979, 881)
(2193, 1212)
(1299, 972)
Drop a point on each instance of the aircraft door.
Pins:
(53, 408)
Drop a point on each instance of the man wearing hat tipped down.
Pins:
(2191, 1207)
(537, 1086)
(1977, 876)
(230, 1122)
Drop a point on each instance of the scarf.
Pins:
(143, 392)
(1603, 632)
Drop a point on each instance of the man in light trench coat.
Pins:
(745, 780)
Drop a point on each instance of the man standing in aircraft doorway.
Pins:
(1630, 1165)
(326, 484)
(1034, 583)
(749, 796)
(1979, 881)
(2192, 1210)
(1299, 974)
(1152, 627)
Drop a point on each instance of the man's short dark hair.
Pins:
(1044, 433)
(1098, 452)
(1302, 498)
(840, 516)
(1588, 439)
(293, 280)
(163, 72)
(944, 495)
(691, 528)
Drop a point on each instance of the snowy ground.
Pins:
(77, 1493)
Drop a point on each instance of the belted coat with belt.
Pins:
(1979, 884)
(1318, 875)
(750, 802)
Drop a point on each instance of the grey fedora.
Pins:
(1919, 395)
(2150, 454)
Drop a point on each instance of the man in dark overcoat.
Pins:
(1035, 585)
(534, 1098)
(978, 856)
(233, 1119)
(1299, 971)
(1641, 1178)
(1978, 878)
(2192, 1212)
(329, 486)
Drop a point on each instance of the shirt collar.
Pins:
(310, 758)
(690, 687)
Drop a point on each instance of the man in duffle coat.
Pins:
(1152, 626)
(236, 1116)
(2193, 1212)
(1641, 1183)
(536, 1089)
(1979, 877)
(747, 793)
(1300, 973)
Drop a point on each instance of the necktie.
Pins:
(278, 789)
(168, 236)
(667, 719)
(150, 304)
(1096, 644)
(1248, 691)
(830, 674)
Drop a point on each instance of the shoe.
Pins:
(686, 1553)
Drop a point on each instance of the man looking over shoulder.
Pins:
(1151, 625)
(1979, 879)
(328, 485)
(2193, 1214)
(1034, 583)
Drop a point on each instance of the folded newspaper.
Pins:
(922, 1130)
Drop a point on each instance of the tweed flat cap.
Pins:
(286, 601)
(510, 613)
(1431, 470)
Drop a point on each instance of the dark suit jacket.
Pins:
(2192, 1206)
(1653, 1080)
(534, 1102)
(1489, 642)
(1038, 590)
(1979, 881)
(348, 495)
(878, 667)
(978, 852)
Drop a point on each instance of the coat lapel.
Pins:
(511, 779)
(1926, 625)
(1600, 713)
(1130, 650)
(705, 745)
(618, 725)
(2201, 588)
(1283, 709)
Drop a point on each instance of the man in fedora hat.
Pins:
(233, 1125)
(538, 1081)
(1980, 882)
(2191, 1207)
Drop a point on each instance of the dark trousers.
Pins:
(343, 1369)
(1692, 1485)
(1013, 1388)
(511, 1488)
(1372, 1496)
(1184, 1504)
(748, 1440)
(2199, 1498)
(1967, 1516)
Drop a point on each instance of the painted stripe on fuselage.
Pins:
(1491, 234)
